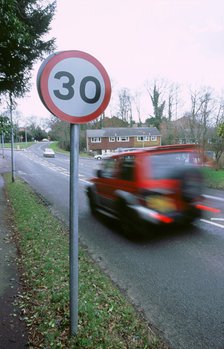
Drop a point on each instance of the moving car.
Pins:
(159, 185)
(49, 153)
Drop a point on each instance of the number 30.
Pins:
(70, 90)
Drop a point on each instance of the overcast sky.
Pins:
(181, 41)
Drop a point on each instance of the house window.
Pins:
(111, 139)
(122, 139)
(153, 138)
(142, 138)
(96, 140)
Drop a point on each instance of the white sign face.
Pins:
(74, 86)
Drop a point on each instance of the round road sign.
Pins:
(74, 86)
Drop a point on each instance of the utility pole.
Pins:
(12, 140)
(3, 151)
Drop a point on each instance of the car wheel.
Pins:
(125, 219)
(92, 204)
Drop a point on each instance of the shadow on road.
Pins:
(150, 234)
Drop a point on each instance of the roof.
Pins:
(162, 148)
(123, 132)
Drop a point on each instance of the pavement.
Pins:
(13, 334)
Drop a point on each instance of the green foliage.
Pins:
(220, 130)
(60, 131)
(106, 319)
(217, 143)
(104, 122)
(158, 107)
(152, 122)
(23, 23)
(35, 132)
(5, 125)
(214, 179)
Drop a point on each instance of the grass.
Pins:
(57, 149)
(106, 319)
(19, 145)
(214, 179)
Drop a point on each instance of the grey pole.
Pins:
(3, 152)
(25, 135)
(12, 141)
(73, 214)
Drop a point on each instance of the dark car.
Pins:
(159, 185)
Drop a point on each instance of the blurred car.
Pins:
(159, 185)
(49, 153)
(102, 156)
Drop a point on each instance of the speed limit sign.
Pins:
(74, 86)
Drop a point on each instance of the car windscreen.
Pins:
(163, 164)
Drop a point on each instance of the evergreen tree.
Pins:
(23, 24)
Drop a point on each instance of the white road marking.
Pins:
(213, 197)
(217, 219)
(212, 223)
(84, 181)
(54, 167)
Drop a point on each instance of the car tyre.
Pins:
(125, 220)
(92, 204)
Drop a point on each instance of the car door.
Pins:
(106, 181)
(118, 174)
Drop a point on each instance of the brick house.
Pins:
(107, 140)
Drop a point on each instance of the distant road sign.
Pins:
(74, 86)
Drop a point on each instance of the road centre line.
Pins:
(212, 223)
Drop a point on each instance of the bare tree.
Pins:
(137, 102)
(200, 116)
(125, 106)
(172, 101)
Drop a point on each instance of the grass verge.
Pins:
(106, 319)
(19, 145)
(214, 179)
(57, 149)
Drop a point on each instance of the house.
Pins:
(107, 140)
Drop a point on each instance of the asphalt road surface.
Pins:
(176, 278)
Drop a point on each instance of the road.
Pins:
(176, 278)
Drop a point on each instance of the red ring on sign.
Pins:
(47, 100)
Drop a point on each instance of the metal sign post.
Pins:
(73, 243)
(75, 87)
(3, 146)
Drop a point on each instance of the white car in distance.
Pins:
(102, 156)
(49, 153)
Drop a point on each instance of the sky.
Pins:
(180, 41)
